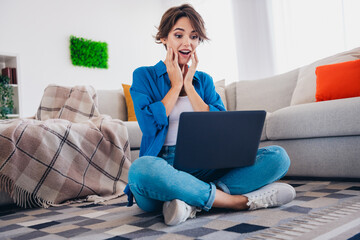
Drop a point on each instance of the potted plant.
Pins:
(6, 97)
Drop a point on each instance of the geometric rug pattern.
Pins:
(321, 210)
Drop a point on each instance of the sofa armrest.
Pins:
(134, 133)
(313, 120)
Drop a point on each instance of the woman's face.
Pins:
(183, 39)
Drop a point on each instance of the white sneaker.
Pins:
(272, 195)
(177, 211)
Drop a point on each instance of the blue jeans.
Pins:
(153, 180)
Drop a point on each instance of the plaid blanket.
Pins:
(68, 151)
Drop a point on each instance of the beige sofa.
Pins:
(321, 138)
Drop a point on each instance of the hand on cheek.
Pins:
(191, 71)
(173, 69)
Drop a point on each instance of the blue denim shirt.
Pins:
(149, 87)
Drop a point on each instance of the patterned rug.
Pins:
(321, 210)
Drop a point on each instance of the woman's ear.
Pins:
(163, 40)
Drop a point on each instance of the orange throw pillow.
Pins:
(340, 80)
(129, 103)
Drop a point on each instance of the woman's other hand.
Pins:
(189, 72)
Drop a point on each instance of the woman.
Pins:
(160, 93)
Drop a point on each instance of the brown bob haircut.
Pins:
(173, 14)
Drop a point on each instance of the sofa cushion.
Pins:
(263, 134)
(306, 84)
(129, 103)
(339, 80)
(112, 103)
(135, 134)
(220, 89)
(313, 120)
(230, 93)
(267, 94)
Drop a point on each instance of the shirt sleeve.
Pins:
(151, 114)
(211, 97)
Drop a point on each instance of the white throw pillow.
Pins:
(306, 84)
(220, 89)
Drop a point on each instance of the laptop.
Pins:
(215, 140)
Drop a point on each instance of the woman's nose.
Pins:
(186, 41)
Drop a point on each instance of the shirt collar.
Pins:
(160, 69)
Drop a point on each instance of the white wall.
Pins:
(38, 32)
(241, 45)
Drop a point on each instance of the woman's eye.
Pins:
(178, 35)
(195, 37)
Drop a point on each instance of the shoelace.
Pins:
(263, 200)
(193, 211)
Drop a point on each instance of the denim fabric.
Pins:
(154, 180)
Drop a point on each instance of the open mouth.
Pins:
(184, 52)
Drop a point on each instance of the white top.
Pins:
(182, 105)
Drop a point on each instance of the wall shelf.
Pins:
(12, 61)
